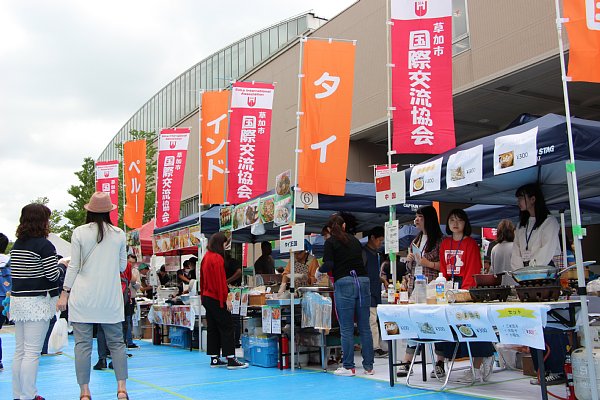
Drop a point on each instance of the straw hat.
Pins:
(100, 203)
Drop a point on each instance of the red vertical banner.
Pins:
(214, 146)
(250, 139)
(422, 76)
(107, 181)
(327, 87)
(134, 166)
(172, 151)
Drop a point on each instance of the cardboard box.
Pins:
(528, 365)
(257, 299)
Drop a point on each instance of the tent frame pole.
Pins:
(578, 231)
(392, 211)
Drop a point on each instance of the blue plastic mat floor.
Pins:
(165, 373)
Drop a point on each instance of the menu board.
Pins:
(426, 177)
(431, 322)
(471, 323)
(520, 324)
(395, 323)
(515, 152)
(465, 167)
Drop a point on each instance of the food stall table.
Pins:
(513, 322)
(171, 315)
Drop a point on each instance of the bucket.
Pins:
(580, 373)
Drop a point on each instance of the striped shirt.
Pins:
(34, 267)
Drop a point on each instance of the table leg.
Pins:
(542, 371)
(391, 355)
(421, 347)
(323, 350)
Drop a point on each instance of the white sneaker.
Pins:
(369, 372)
(467, 377)
(486, 368)
(341, 371)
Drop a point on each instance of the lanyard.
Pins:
(528, 236)
(452, 268)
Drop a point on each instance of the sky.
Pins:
(73, 72)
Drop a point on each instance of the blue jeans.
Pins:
(353, 298)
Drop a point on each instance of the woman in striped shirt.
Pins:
(33, 297)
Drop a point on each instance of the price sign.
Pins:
(522, 324)
(291, 238)
(391, 237)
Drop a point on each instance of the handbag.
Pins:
(88, 256)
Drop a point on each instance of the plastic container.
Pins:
(440, 289)
(390, 294)
(420, 291)
(180, 337)
(581, 380)
(265, 352)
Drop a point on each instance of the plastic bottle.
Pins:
(404, 291)
(420, 291)
(440, 289)
(390, 293)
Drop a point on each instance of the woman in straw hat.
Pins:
(92, 290)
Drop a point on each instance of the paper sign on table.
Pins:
(431, 322)
(266, 319)
(276, 320)
(471, 323)
(391, 237)
(244, 303)
(520, 324)
(395, 323)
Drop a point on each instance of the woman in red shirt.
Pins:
(214, 292)
(459, 254)
(459, 261)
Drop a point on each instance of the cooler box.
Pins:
(180, 336)
(265, 352)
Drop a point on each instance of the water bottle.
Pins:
(420, 289)
(390, 294)
(440, 289)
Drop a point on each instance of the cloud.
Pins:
(73, 72)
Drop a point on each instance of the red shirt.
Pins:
(213, 282)
(126, 276)
(463, 257)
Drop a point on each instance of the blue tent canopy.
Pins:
(359, 199)
(553, 152)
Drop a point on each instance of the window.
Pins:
(203, 85)
(249, 54)
(208, 85)
(283, 34)
(242, 58)
(227, 72)
(292, 28)
(460, 27)
(302, 25)
(264, 40)
(273, 40)
(235, 66)
(256, 49)
(215, 67)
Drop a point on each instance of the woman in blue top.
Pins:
(343, 256)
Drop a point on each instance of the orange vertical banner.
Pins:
(583, 29)
(327, 87)
(214, 146)
(134, 163)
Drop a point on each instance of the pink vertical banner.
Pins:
(172, 152)
(107, 180)
(250, 137)
(422, 76)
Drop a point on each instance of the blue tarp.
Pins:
(553, 152)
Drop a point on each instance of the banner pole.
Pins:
(296, 191)
(578, 231)
(392, 212)
(199, 214)
(123, 187)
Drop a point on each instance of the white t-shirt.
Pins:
(538, 245)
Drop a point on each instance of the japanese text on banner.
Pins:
(172, 152)
(214, 146)
(250, 136)
(422, 76)
(134, 162)
(107, 181)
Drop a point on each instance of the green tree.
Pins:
(151, 152)
(82, 192)
(56, 217)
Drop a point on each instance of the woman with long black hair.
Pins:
(343, 256)
(92, 290)
(214, 291)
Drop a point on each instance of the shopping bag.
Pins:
(59, 337)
